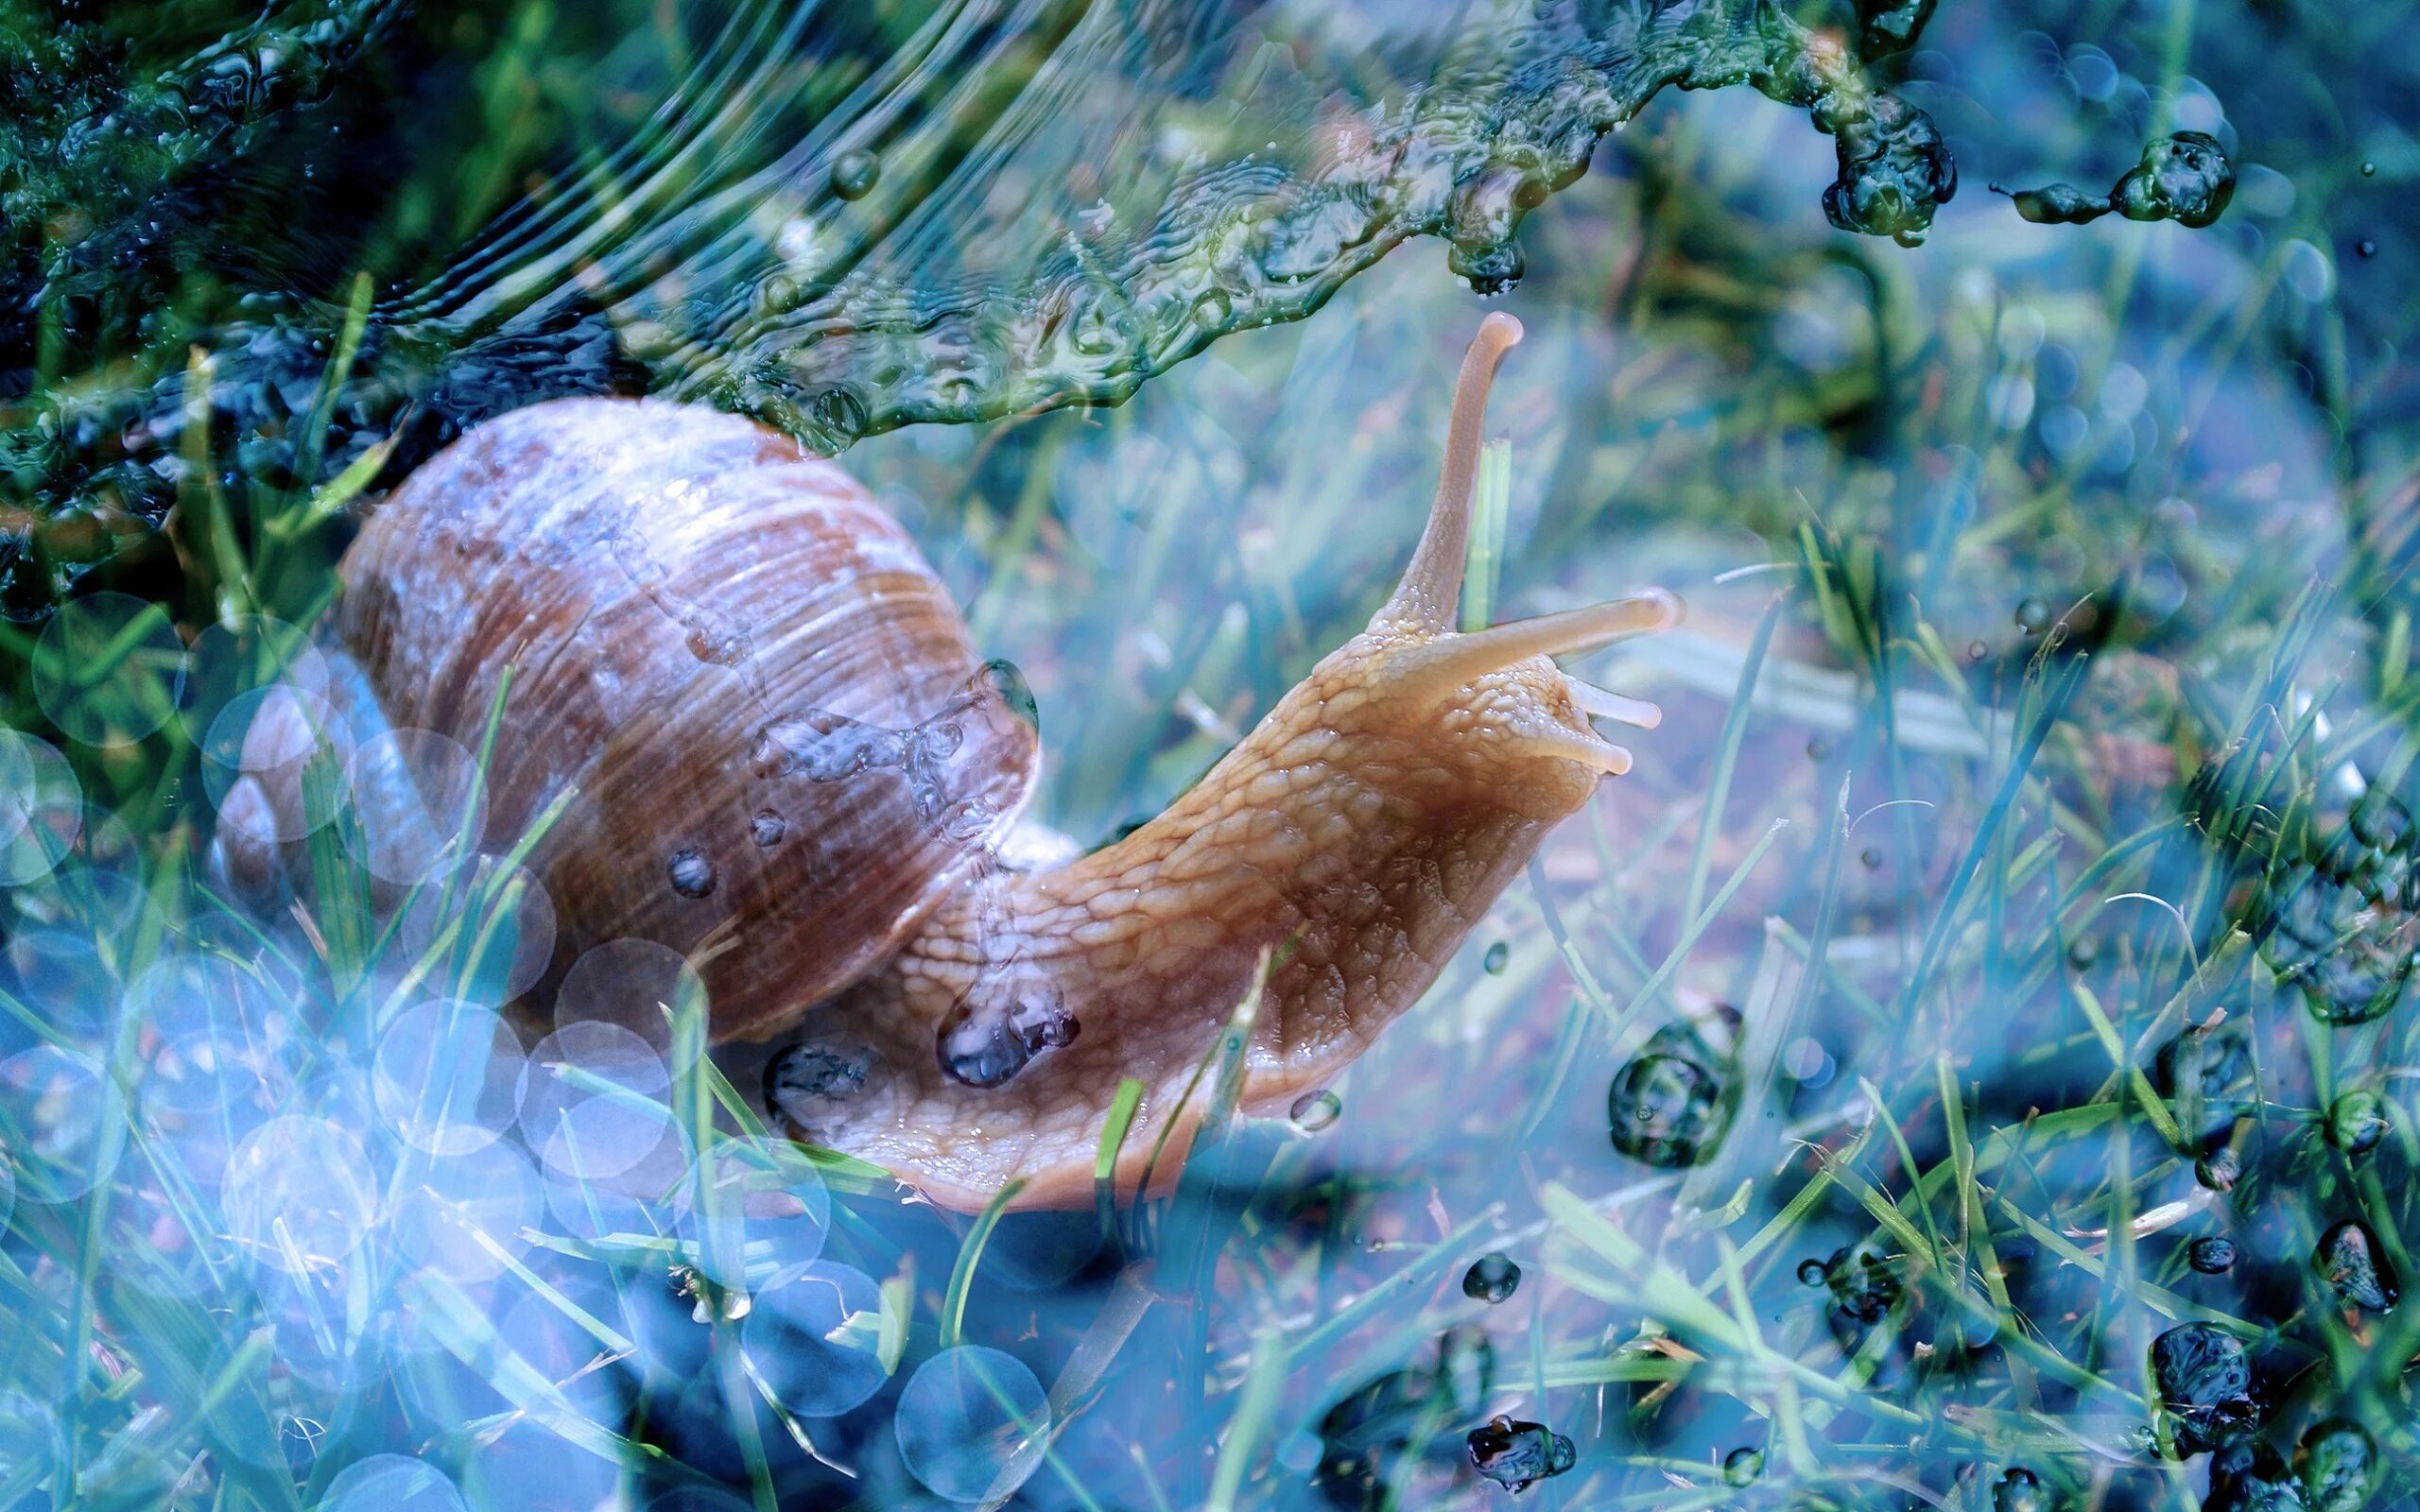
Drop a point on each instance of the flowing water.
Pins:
(1968, 1062)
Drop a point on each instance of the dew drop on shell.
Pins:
(691, 874)
(855, 173)
(1315, 1110)
(768, 828)
(1492, 1278)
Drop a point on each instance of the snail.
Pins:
(794, 767)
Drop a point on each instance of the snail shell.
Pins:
(780, 733)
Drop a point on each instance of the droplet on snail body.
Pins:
(2213, 1255)
(983, 1045)
(768, 828)
(2339, 1466)
(2204, 1382)
(1496, 956)
(691, 874)
(965, 1415)
(2357, 1121)
(1492, 1278)
(2348, 1259)
(1517, 1454)
(1743, 1467)
(1315, 1110)
(818, 1085)
(855, 173)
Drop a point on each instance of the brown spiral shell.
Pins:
(785, 748)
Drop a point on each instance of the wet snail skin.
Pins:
(794, 767)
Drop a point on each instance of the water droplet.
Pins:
(2365, 247)
(2211, 1256)
(768, 828)
(819, 1085)
(1871, 858)
(2204, 1382)
(813, 1335)
(1496, 956)
(1315, 1110)
(2032, 616)
(991, 1036)
(1865, 1290)
(965, 1416)
(2184, 177)
(1977, 651)
(1492, 1278)
(2357, 1121)
(855, 173)
(2339, 1463)
(1818, 749)
(2349, 1261)
(2082, 953)
(1517, 1454)
(691, 874)
(1743, 1467)
(2369, 170)
(2019, 1491)
(2246, 1475)
(1812, 1273)
(2219, 1170)
(1670, 1107)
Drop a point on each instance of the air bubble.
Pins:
(392, 1483)
(964, 1417)
(447, 1077)
(236, 655)
(420, 806)
(65, 1123)
(462, 1216)
(812, 1336)
(502, 925)
(752, 1207)
(590, 1101)
(1315, 1110)
(639, 987)
(108, 669)
(298, 1194)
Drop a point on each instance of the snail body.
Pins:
(794, 767)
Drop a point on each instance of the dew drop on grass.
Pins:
(1977, 651)
(811, 1336)
(2213, 1255)
(2032, 616)
(2348, 1259)
(2337, 1464)
(1669, 1105)
(1517, 1454)
(2204, 1382)
(2219, 1170)
(2357, 1121)
(962, 1418)
(1496, 956)
(855, 173)
(1315, 1110)
(1743, 1467)
(2019, 1491)
(1492, 1278)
